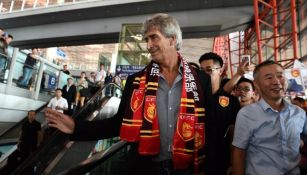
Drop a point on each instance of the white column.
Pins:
(11, 70)
(39, 79)
(35, 3)
(12, 5)
(1, 5)
(47, 3)
(23, 5)
(114, 59)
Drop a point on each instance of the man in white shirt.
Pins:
(58, 103)
(100, 75)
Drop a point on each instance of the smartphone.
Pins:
(246, 58)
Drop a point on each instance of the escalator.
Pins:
(75, 152)
(11, 130)
(57, 151)
(9, 134)
(109, 162)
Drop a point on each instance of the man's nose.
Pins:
(276, 80)
(149, 44)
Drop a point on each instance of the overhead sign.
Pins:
(51, 81)
(125, 70)
(60, 53)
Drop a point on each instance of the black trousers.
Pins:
(135, 164)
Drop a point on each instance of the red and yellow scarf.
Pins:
(140, 122)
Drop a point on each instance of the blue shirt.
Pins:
(168, 102)
(271, 138)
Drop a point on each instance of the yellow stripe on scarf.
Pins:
(149, 131)
(186, 105)
(187, 100)
(200, 109)
(157, 135)
(184, 150)
(126, 124)
(152, 84)
(132, 120)
(151, 88)
(199, 115)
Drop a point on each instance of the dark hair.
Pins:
(83, 72)
(194, 65)
(243, 79)
(1, 28)
(69, 79)
(300, 100)
(58, 89)
(211, 56)
(263, 64)
(31, 111)
(10, 36)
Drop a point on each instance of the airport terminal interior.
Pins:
(77, 39)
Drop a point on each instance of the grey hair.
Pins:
(167, 25)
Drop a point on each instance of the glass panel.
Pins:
(132, 47)
(24, 76)
(4, 63)
(28, 4)
(54, 141)
(50, 78)
(27, 77)
(113, 165)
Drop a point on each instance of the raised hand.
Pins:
(60, 121)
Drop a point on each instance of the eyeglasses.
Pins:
(210, 70)
(245, 89)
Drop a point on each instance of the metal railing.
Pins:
(92, 163)
(56, 141)
(21, 5)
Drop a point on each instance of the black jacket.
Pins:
(110, 127)
(69, 95)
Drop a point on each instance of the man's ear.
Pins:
(221, 70)
(173, 40)
(256, 85)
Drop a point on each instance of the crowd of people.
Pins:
(183, 118)
(26, 78)
(180, 119)
(73, 95)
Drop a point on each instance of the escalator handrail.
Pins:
(96, 160)
(48, 144)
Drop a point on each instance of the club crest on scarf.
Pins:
(150, 108)
(199, 136)
(185, 127)
(136, 100)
